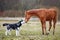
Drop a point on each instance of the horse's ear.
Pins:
(25, 11)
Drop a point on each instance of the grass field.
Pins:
(30, 31)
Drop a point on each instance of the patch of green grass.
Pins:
(30, 31)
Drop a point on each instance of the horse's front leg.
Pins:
(43, 27)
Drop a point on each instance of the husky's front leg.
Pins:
(17, 32)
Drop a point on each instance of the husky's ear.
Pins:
(21, 19)
(23, 22)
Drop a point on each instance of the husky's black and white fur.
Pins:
(14, 26)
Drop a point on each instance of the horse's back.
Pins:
(51, 14)
(43, 12)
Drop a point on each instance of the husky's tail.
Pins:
(5, 24)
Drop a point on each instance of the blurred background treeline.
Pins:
(16, 8)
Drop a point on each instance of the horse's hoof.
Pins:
(42, 33)
(53, 33)
(47, 33)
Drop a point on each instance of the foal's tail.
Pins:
(5, 24)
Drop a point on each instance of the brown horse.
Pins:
(44, 15)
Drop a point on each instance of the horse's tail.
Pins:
(5, 24)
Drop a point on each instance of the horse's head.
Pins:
(27, 16)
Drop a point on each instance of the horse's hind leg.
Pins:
(54, 23)
(50, 25)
